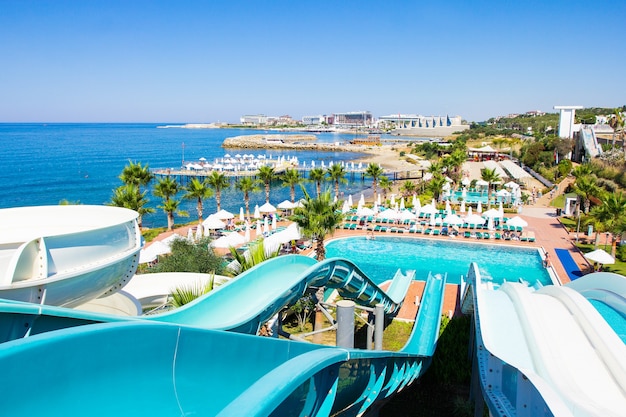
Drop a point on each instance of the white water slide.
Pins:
(547, 352)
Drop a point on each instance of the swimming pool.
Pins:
(380, 259)
(612, 317)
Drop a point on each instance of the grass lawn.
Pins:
(619, 267)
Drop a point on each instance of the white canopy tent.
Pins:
(600, 256)
(224, 215)
(267, 208)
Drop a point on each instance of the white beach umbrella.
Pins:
(428, 209)
(479, 208)
(448, 208)
(490, 225)
(464, 193)
(246, 236)
(491, 214)
(414, 200)
(433, 203)
(433, 220)
(266, 227)
(463, 206)
(417, 206)
(286, 205)
(392, 202)
(453, 219)
(350, 204)
(213, 222)
(402, 203)
(362, 200)
(465, 181)
(390, 214)
(257, 213)
(375, 208)
(503, 193)
(151, 252)
(273, 222)
(365, 211)
(600, 256)
(199, 232)
(259, 228)
(469, 211)
(500, 210)
(406, 215)
(346, 207)
(474, 219)
(378, 199)
(229, 240)
(517, 222)
(267, 208)
(190, 234)
(511, 185)
(241, 216)
(482, 183)
(224, 214)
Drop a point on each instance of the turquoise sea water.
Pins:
(380, 258)
(45, 163)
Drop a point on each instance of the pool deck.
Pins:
(549, 234)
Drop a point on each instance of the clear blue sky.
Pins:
(204, 61)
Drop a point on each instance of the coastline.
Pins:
(386, 155)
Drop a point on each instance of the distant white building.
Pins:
(313, 120)
(254, 119)
(353, 119)
(415, 124)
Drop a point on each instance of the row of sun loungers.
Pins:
(444, 231)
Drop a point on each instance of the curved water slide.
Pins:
(164, 369)
(590, 142)
(241, 305)
(66, 255)
(545, 352)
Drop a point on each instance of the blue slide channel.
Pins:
(164, 368)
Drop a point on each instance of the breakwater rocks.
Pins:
(284, 142)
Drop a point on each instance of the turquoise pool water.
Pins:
(380, 259)
(612, 317)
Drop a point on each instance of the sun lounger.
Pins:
(498, 236)
(436, 232)
(467, 235)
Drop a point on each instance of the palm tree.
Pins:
(136, 174)
(171, 207)
(586, 187)
(247, 185)
(582, 170)
(198, 190)
(385, 185)
(317, 218)
(612, 215)
(165, 189)
(454, 161)
(408, 188)
(291, 177)
(256, 255)
(139, 176)
(375, 171)
(267, 175)
(436, 167)
(129, 197)
(337, 174)
(218, 182)
(317, 175)
(490, 176)
(435, 185)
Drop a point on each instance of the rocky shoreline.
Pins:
(296, 141)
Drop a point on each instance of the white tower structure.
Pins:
(566, 120)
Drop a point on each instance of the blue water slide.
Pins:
(240, 305)
(154, 368)
(544, 353)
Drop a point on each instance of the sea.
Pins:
(45, 163)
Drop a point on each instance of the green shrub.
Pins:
(620, 253)
(190, 257)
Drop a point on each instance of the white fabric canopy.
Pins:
(267, 208)
(428, 209)
(286, 205)
(365, 211)
(389, 214)
(517, 222)
(600, 256)
(226, 241)
(453, 219)
(474, 219)
(213, 222)
(491, 213)
(151, 252)
(257, 213)
(224, 215)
